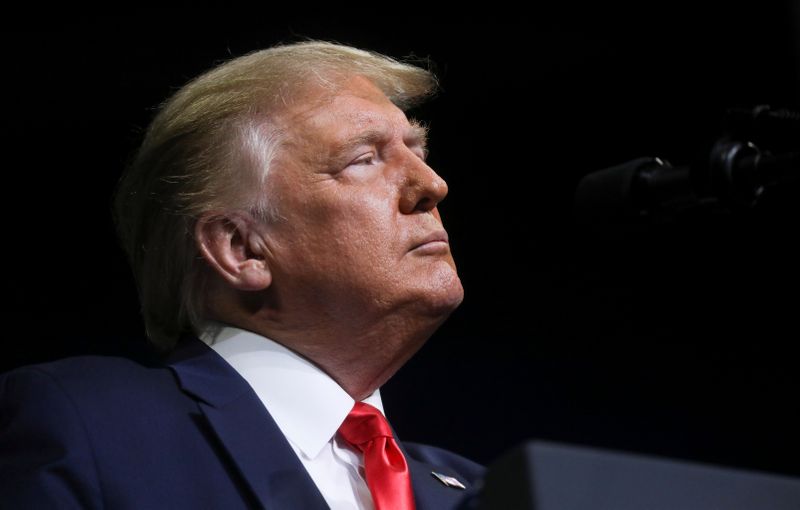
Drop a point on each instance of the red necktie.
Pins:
(387, 472)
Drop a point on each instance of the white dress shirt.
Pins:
(306, 404)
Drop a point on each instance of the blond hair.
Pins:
(209, 149)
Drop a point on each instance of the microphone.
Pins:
(732, 177)
(634, 189)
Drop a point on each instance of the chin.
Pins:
(445, 306)
(443, 294)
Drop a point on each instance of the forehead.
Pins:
(352, 106)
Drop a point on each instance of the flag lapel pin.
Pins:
(448, 480)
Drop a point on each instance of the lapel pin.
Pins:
(448, 480)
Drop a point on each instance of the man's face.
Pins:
(360, 237)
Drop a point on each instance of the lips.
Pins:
(440, 236)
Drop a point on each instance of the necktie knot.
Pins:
(364, 424)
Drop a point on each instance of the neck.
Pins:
(359, 357)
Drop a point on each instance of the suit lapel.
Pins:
(429, 492)
(253, 441)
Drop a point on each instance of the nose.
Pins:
(422, 188)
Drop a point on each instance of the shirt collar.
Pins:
(306, 404)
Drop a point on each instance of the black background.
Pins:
(675, 340)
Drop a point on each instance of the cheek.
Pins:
(357, 230)
(363, 218)
(332, 221)
(366, 242)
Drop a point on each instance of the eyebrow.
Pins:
(416, 136)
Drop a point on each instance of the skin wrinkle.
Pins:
(346, 288)
(416, 138)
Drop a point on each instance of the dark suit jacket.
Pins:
(104, 432)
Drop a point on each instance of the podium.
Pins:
(542, 475)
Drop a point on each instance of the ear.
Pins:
(233, 246)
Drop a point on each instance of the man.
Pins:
(281, 210)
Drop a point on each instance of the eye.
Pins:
(364, 159)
